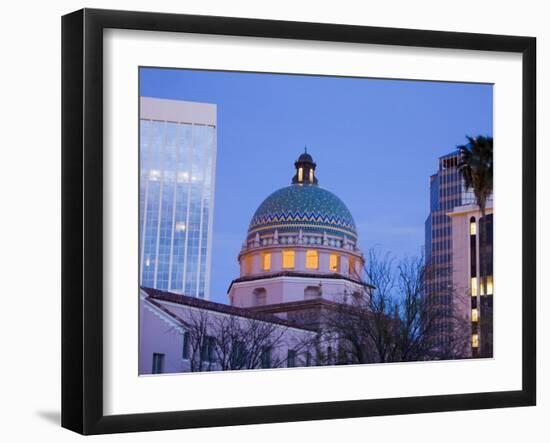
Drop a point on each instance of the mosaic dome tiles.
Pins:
(303, 207)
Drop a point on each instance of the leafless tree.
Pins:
(392, 321)
(201, 342)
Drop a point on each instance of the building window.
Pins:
(291, 359)
(248, 264)
(490, 285)
(288, 259)
(312, 259)
(300, 174)
(351, 267)
(266, 262)
(311, 175)
(265, 358)
(475, 315)
(158, 363)
(473, 228)
(260, 296)
(238, 355)
(186, 345)
(334, 264)
(208, 348)
(474, 286)
(312, 292)
(475, 341)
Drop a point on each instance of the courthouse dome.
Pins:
(303, 206)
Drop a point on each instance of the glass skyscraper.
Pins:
(176, 196)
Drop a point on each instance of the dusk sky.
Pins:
(375, 142)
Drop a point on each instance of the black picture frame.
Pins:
(82, 215)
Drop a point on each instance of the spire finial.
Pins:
(305, 149)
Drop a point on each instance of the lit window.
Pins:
(475, 341)
(154, 175)
(300, 174)
(334, 262)
(183, 177)
(490, 285)
(311, 175)
(474, 315)
(312, 259)
(248, 264)
(351, 267)
(267, 262)
(474, 286)
(288, 259)
(473, 228)
(180, 226)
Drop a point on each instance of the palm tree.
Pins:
(476, 167)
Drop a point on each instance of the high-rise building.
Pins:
(458, 265)
(176, 197)
(446, 193)
(472, 239)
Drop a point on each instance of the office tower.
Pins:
(176, 196)
(446, 193)
(459, 263)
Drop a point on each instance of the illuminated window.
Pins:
(267, 262)
(334, 262)
(311, 175)
(474, 315)
(351, 267)
(180, 226)
(475, 341)
(248, 264)
(474, 286)
(490, 285)
(312, 259)
(300, 174)
(473, 228)
(288, 259)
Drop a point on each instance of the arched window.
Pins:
(473, 226)
(266, 261)
(288, 259)
(300, 174)
(312, 292)
(248, 264)
(351, 266)
(312, 259)
(260, 296)
(334, 264)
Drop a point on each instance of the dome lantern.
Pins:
(305, 170)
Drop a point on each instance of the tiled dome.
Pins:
(305, 207)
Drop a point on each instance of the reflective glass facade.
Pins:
(177, 164)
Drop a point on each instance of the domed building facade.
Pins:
(301, 245)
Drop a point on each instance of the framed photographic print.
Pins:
(269, 221)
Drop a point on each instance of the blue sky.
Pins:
(376, 142)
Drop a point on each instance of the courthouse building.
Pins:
(299, 259)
